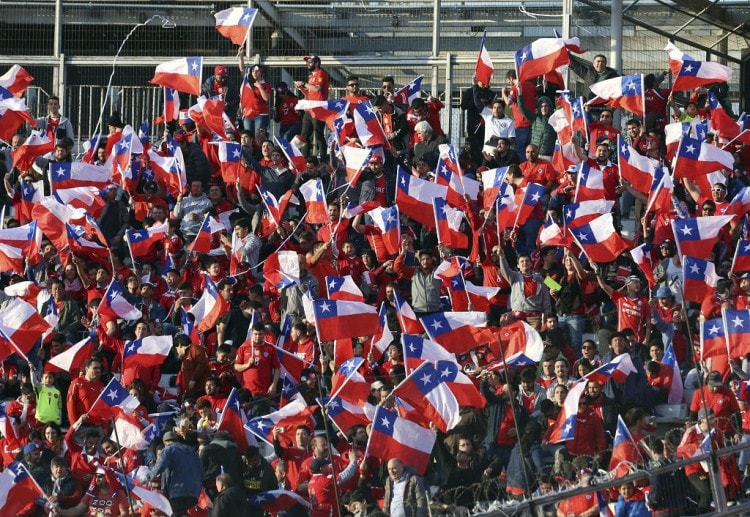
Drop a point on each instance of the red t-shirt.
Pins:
(258, 377)
(541, 172)
(104, 504)
(252, 101)
(320, 78)
(286, 111)
(632, 313)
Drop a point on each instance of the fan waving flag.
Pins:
(458, 332)
(13, 113)
(600, 240)
(18, 489)
(315, 201)
(338, 319)
(396, 437)
(356, 160)
(737, 327)
(210, 307)
(297, 161)
(408, 93)
(741, 261)
(343, 288)
(484, 67)
(448, 225)
(184, 75)
(624, 450)
(148, 351)
(234, 23)
(589, 183)
(438, 391)
(15, 81)
(389, 223)
(695, 158)
(405, 315)
(622, 92)
(233, 420)
(145, 242)
(676, 58)
(694, 74)
(543, 55)
(74, 358)
(637, 169)
(699, 279)
(276, 501)
(564, 427)
(696, 236)
(111, 401)
(294, 414)
(35, 145)
(368, 127)
(618, 369)
(532, 194)
(414, 197)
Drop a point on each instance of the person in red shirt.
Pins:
(589, 438)
(321, 486)
(258, 364)
(23, 410)
(293, 456)
(337, 229)
(603, 128)
(104, 498)
(285, 113)
(213, 395)
(633, 309)
(353, 94)
(254, 98)
(610, 172)
(581, 505)
(521, 123)
(721, 401)
(427, 110)
(83, 460)
(84, 390)
(315, 89)
(350, 263)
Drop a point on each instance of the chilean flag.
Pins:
(315, 202)
(676, 389)
(639, 170)
(599, 239)
(492, 182)
(345, 414)
(617, 369)
(695, 158)
(624, 450)
(169, 171)
(339, 319)
(699, 279)
(740, 203)
(532, 194)
(408, 93)
(202, 241)
(696, 236)
(209, 308)
(693, 74)
(382, 337)
(578, 214)
(713, 339)
(74, 358)
(171, 105)
(676, 58)
(18, 488)
(297, 161)
(184, 75)
(389, 223)
(149, 351)
(448, 225)
(543, 55)
(552, 235)
(458, 332)
(575, 113)
(343, 288)
(405, 315)
(356, 159)
(84, 198)
(281, 269)
(31, 194)
(590, 183)
(294, 414)
(357, 388)
(234, 23)
(13, 113)
(622, 92)
(325, 111)
(484, 67)
(395, 437)
(276, 501)
(520, 342)
(464, 293)
(233, 420)
(65, 175)
(80, 245)
(414, 197)
(720, 119)
(22, 324)
(417, 350)
(37, 144)
(276, 208)
(642, 257)
(368, 127)
(209, 114)
(230, 158)
(111, 401)
(741, 262)
(737, 327)
(564, 427)
(144, 242)
(15, 81)
(437, 392)
(114, 304)
(660, 197)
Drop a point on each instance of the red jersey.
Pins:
(286, 111)
(541, 172)
(264, 360)
(529, 100)
(253, 103)
(723, 403)
(632, 313)
(81, 396)
(101, 504)
(380, 191)
(319, 78)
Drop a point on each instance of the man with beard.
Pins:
(102, 498)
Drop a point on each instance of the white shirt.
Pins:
(498, 127)
(397, 498)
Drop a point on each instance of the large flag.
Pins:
(15, 81)
(396, 437)
(414, 197)
(67, 175)
(713, 339)
(676, 389)
(337, 319)
(448, 225)
(458, 332)
(114, 304)
(699, 279)
(484, 67)
(35, 145)
(564, 427)
(437, 391)
(624, 450)
(368, 127)
(737, 327)
(234, 23)
(543, 55)
(209, 308)
(233, 420)
(113, 400)
(693, 74)
(622, 92)
(599, 239)
(696, 236)
(184, 75)
(18, 489)
(74, 358)
(294, 414)
(695, 158)
(676, 58)
(148, 351)
(634, 167)
(408, 93)
(13, 113)
(145, 242)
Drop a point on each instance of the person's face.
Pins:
(691, 109)
(227, 291)
(425, 261)
(532, 153)
(588, 350)
(16, 142)
(548, 368)
(395, 469)
(211, 388)
(108, 448)
(605, 118)
(551, 323)
(319, 446)
(561, 369)
(619, 345)
(48, 380)
(599, 64)
(656, 353)
(101, 481)
(634, 287)
(394, 352)
(220, 78)
(594, 388)
(214, 193)
(497, 110)
(276, 157)
(718, 193)
(246, 139)
(524, 265)
(333, 213)
(602, 153)
(53, 106)
(708, 209)
(92, 444)
(388, 86)
(57, 291)
(196, 188)
(214, 269)
(353, 86)
(61, 153)
(559, 394)
(633, 130)
(58, 471)
(527, 385)
(302, 438)
(257, 337)
(544, 109)
(158, 213)
(348, 249)
(257, 74)
(94, 371)
(141, 330)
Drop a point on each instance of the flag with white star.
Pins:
(694, 74)
(622, 92)
(184, 75)
(113, 400)
(543, 55)
(737, 326)
(697, 158)
(396, 437)
(234, 23)
(713, 339)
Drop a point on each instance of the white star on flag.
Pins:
(713, 330)
(686, 230)
(426, 379)
(690, 149)
(325, 307)
(385, 422)
(737, 321)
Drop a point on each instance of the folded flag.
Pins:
(345, 414)
(642, 257)
(294, 414)
(348, 375)
(368, 127)
(405, 315)
(356, 160)
(624, 450)
(396, 437)
(22, 324)
(184, 75)
(234, 23)
(382, 337)
(315, 202)
(676, 389)
(741, 261)
(676, 58)
(281, 269)
(145, 242)
(448, 225)
(417, 350)
(233, 420)
(209, 307)
(634, 167)
(388, 222)
(13, 113)
(325, 111)
(154, 499)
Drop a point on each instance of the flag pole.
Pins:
(122, 468)
(327, 429)
(36, 484)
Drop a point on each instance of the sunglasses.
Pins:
(353, 84)
(718, 189)
(588, 348)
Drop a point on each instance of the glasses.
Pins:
(353, 84)
(718, 189)
(709, 209)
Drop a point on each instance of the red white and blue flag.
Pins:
(145, 242)
(737, 328)
(148, 351)
(408, 93)
(184, 75)
(493, 181)
(315, 201)
(696, 236)
(234, 23)
(66, 175)
(294, 414)
(634, 167)
(417, 350)
(578, 214)
(210, 114)
(699, 279)
(575, 113)
(694, 74)
(339, 319)
(345, 414)
(458, 332)
(22, 324)
(230, 158)
(297, 161)
(81, 245)
(325, 111)
(600, 240)
(281, 269)
(233, 420)
(414, 197)
(17, 489)
(275, 501)
(209, 307)
(713, 339)
(624, 450)
(676, 58)
(589, 184)
(32, 193)
(13, 113)
(171, 105)
(368, 127)
(348, 375)
(74, 358)
(405, 315)
(169, 171)
(741, 261)
(532, 194)
(15, 81)
(389, 223)
(37, 144)
(564, 427)
(448, 225)
(543, 55)
(695, 158)
(202, 241)
(343, 288)
(721, 122)
(395, 437)
(382, 337)
(676, 389)
(113, 400)
(740, 203)
(617, 369)
(484, 67)
(642, 257)
(622, 92)
(660, 197)
(114, 304)
(355, 159)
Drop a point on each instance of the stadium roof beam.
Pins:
(273, 14)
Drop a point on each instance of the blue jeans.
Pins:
(527, 235)
(289, 131)
(255, 123)
(576, 324)
(523, 137)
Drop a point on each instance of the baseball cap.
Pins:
(663, 292)
(221, 70)
(31, 447)
(312, 57)
(714, 380)
(317, 464)
(632, 278)
(376, 158)
(170, 436)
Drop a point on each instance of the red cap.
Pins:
(221, 70)
(376, 158)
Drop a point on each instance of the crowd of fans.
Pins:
(499, 452)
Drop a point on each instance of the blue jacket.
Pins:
(181, 471)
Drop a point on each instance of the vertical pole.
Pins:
(615, 46)
(249, 41)
(58, 72)
(435, 43)
(567, 15)
(448, 94)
